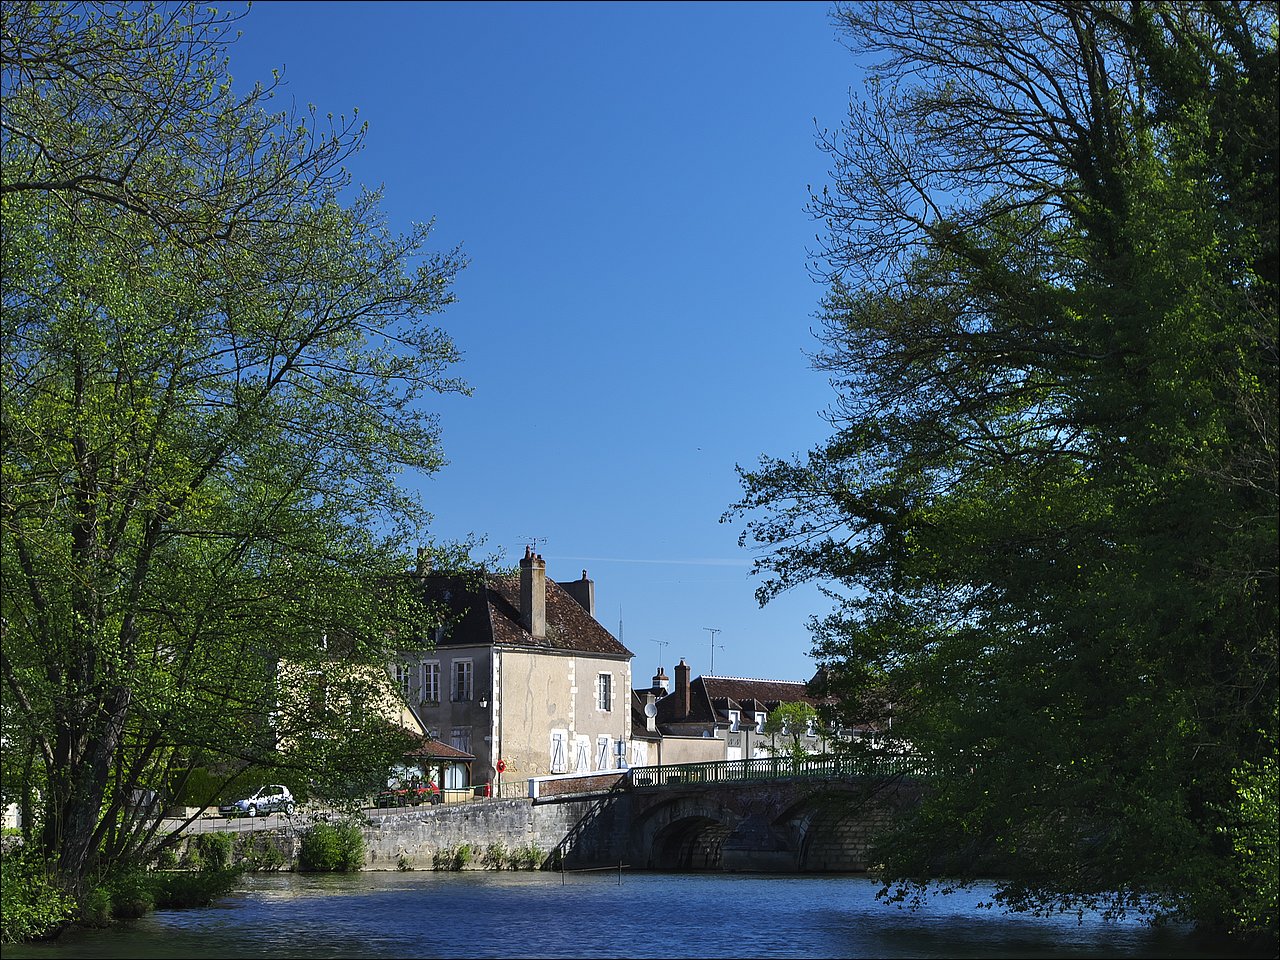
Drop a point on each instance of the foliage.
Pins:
(214, 360)
(528, 857)
(261, 852)
(215, 849)
(792, 721)
(180, 889)
(453, 858)
(131, 894)
(32, 904)
(496, 856)
(1255, 841)
(1047, 512)
(332, 848)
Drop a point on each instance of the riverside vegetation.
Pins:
(201, 868)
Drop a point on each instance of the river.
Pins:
(604, 914)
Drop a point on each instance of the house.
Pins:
(716, 718)
(656, 742)
(522, 674)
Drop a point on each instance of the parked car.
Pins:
(272, 798)
(411, 795)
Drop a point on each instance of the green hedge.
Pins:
(331, 848)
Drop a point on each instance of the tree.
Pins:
(792, 720)
(215, 355)
(1048, 508)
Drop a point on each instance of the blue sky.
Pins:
(628, 182)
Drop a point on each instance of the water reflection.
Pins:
(594, 915)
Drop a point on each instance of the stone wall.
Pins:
(413, 838)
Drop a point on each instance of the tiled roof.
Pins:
(710, 698)
(487, 611)
(770, 692)
(439, 751)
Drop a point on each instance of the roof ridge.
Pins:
(716, 676)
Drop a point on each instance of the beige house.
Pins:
(524, 675)
(713, 718)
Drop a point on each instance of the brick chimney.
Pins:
(533, 594)
(584, 591)
(661, 682)
(683, 697)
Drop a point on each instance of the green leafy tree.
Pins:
(215, 357)
(1048, 508)
(792, 721)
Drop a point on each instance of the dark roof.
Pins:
(710, 698)
(639, 722)
(438, 751)
(486, 608)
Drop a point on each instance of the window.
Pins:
(462, 680)
(760, 719)
(604, 691)
(602, 753)
(460, 739)
(811, 727)
(402, 679)
(734, 718)
(582, 754)
(559, 761)
(431, 682)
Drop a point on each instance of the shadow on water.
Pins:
(482, 915)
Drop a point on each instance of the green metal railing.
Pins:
(778, 768)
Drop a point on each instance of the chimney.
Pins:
(682, 688)
(661, 682)
(584, 591)
(651, 712)
(533, 594)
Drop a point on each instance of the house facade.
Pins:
(522, 673)
(718, 718)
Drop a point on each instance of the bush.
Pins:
(95, 911)
(192, 858)
(495, 856)
(462, 856)
(328, 848)
(215, 850)
(131, 894)
(186, 889)
(528, 857)
(167, 858)
(262, 853)
(32, 906)
(454, 858)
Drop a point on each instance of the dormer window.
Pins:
(760, 718)
(735, 717)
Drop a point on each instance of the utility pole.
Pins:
(713, 631)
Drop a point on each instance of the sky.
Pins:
(628, 183)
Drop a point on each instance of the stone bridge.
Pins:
(759, 815)
(787, 825)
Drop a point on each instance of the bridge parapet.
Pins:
(827, 767)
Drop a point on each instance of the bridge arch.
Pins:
(684, 833)
(785, 826)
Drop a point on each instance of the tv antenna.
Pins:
(534, 541)
(661, 644)
(713, 631)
